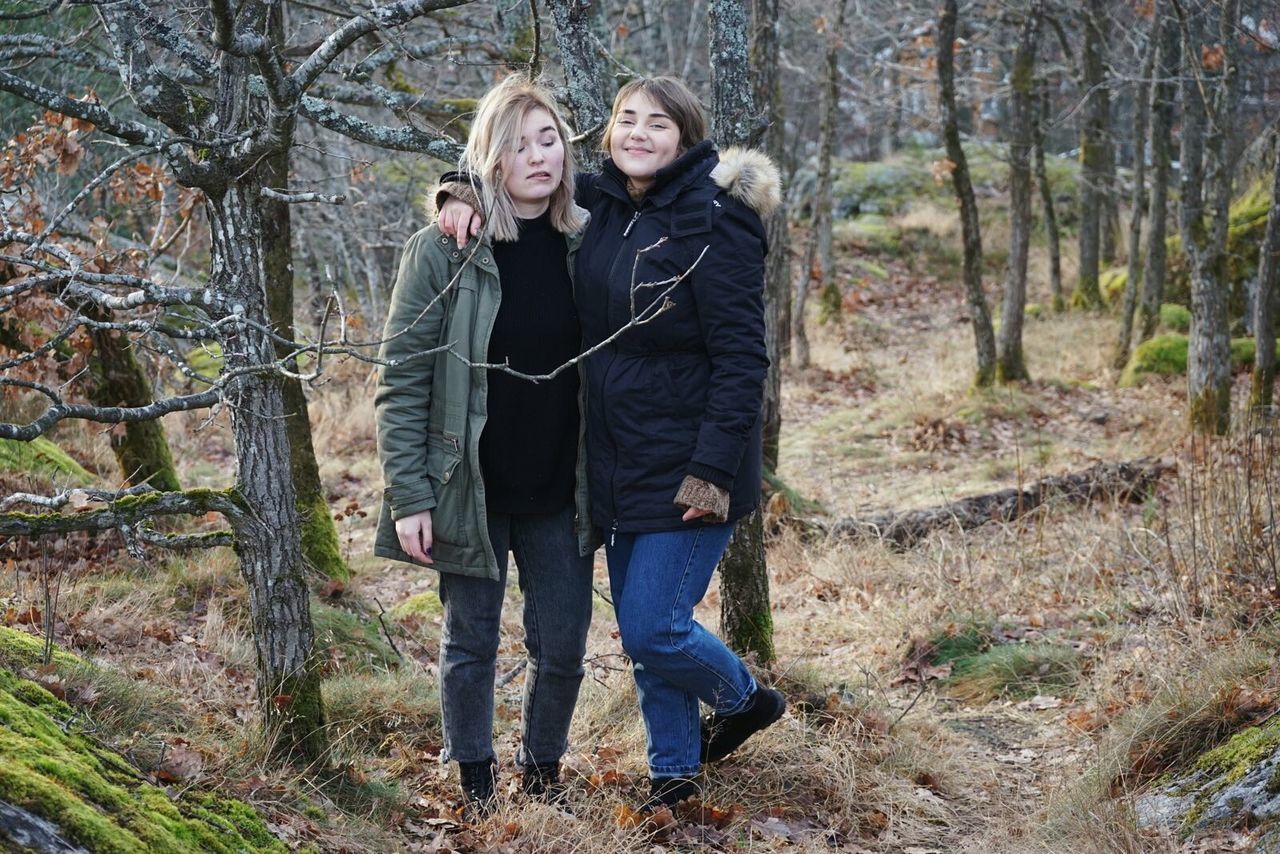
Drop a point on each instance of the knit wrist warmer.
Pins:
(460, 190)
(697, 493)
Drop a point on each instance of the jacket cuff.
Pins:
(408, 500)
(702, 495)
(711, 474)
(460, 190)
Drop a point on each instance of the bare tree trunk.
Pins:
(1046, 201)
(980, 315)
(585, 73)
(1163, 96)
(267, 538)
(1264, 306)
(745, 618)
(1206, 189)
(1011, 366)
(1134, 277)
(1093, 147)
(140, 448)
(1109, 223)
(818, 263)
(765, 50)
(320, 548)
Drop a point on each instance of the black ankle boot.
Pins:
(542, 782)
(478, 782)
(669, 791)
(723, 734)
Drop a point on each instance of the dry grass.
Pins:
(1163, 604)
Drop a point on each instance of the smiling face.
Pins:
(535, 168)
(643, 139)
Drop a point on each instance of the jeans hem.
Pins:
(740, 706)
(685, 771)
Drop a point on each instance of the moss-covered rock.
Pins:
(1163, 355)
(1167, 355)
(95, 798)
(1112, 283)
(420, 605)
(19, 650)
(1246, 224)
(1175, 318)
(42, 457)
(1237, 782)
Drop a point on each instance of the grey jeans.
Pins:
(556, 584)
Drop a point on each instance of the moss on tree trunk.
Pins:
(746, 620)
(119, 380)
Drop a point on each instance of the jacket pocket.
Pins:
(444, 458)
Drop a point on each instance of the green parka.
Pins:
(431, 407)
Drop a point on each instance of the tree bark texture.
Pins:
(1206, 199)
(1163, 96)
(320, 546)
(585, 72)
(733, 113)
(1093, 153)
(746, 617)
(1011, 365)
(980, 315)
(1133, 278)
(819, 273)
(140, 447)
(765, 51)
(1264, 306)
(1046, 201)
(746, 620)
(267, 538)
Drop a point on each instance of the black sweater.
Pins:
(529, 445)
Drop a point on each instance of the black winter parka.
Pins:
(680, 392)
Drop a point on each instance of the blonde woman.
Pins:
(478, 462)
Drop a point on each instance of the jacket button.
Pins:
(445, 477)
(484, 260)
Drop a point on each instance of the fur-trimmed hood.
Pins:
(750, 177)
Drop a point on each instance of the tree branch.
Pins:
(302, 198)
(332, 47)
(60, 411)
(128, 510)
(96, 114)
(404, 138)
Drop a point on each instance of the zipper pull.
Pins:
(627, 230)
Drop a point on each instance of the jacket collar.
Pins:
(670, 180)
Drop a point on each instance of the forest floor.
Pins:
(1008, 688)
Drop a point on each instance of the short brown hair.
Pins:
(676, 100)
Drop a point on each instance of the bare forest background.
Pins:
(1016, 570)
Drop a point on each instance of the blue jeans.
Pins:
(556, 584)
(656, 580)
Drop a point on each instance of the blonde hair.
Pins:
(674, 97)
(495, 133)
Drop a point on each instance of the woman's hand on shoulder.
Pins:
(459, 220)
(414, 533)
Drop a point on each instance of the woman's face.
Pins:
(643, 139)
(534, 170)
